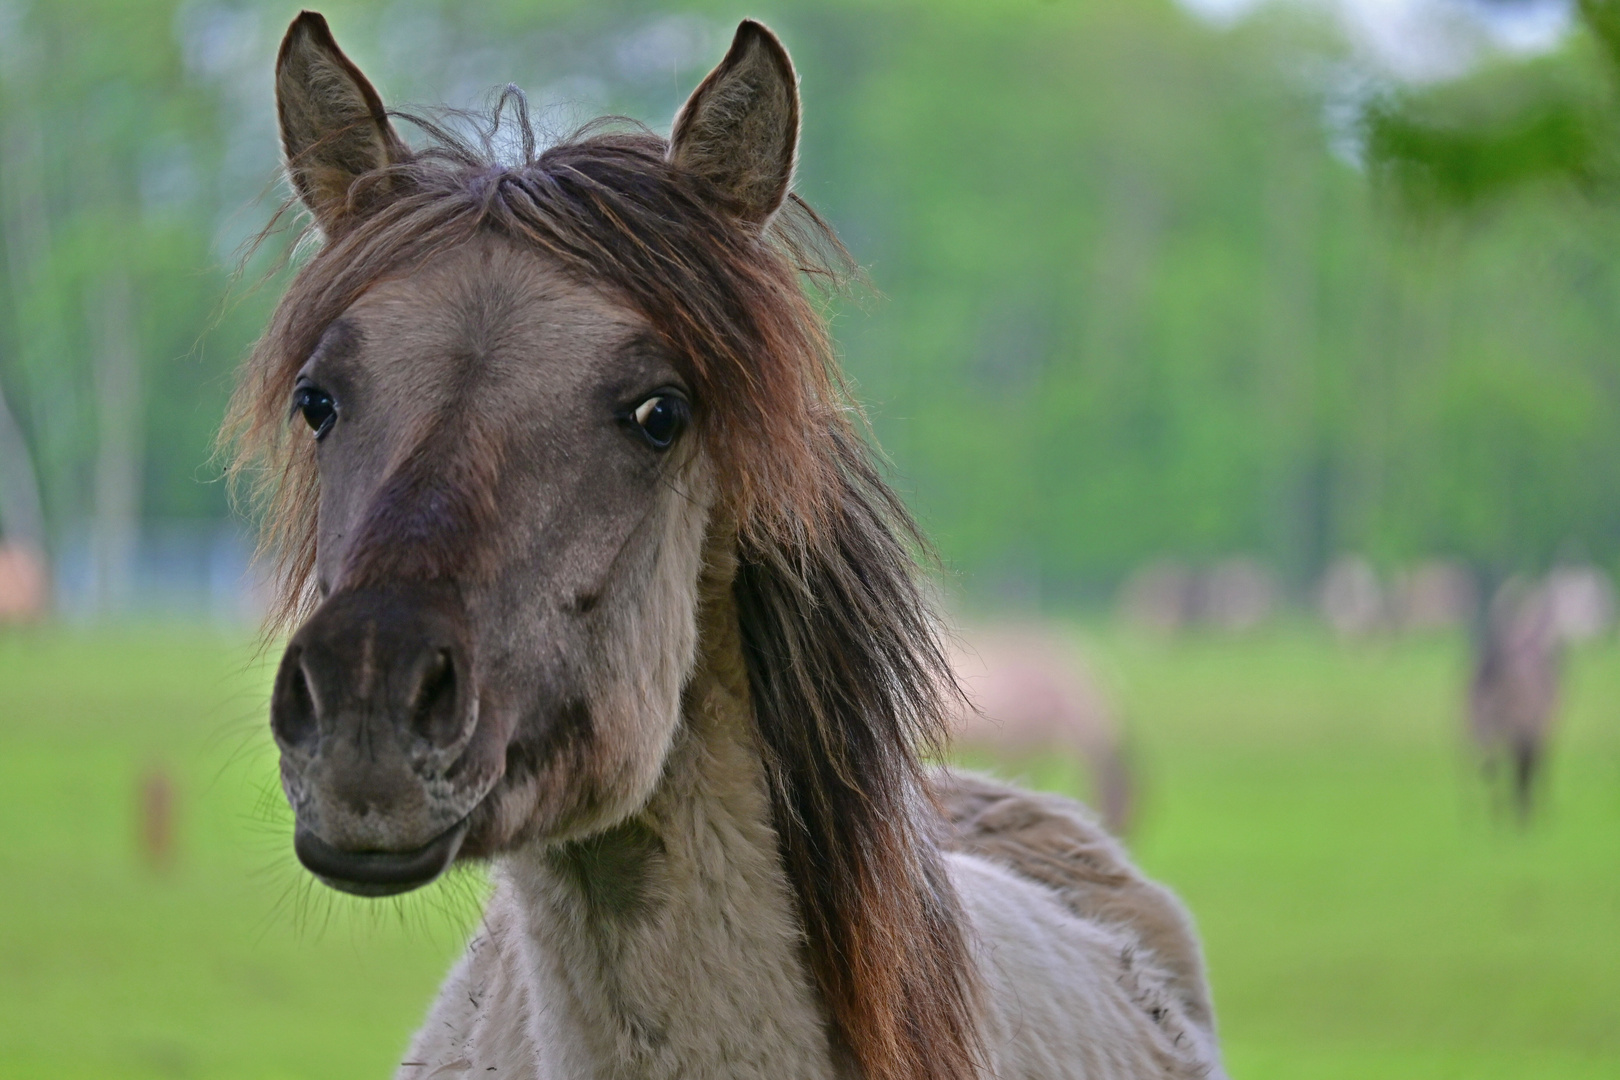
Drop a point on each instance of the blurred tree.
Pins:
(108, 268)
(1512, 142)
(1511, 125)
(1141, 301)
(22, 521)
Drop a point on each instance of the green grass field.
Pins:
(1365, 915)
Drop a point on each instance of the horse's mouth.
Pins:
(379, 873)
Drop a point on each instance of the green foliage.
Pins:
(1459, 166)
(1134, 303)
(1509, 127)
(109, 147)
(1139, 307)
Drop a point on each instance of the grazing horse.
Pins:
(1026, 691)
(1513, 695)
(594, 579)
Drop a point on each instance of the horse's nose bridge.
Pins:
(428, 518)
(341, 670)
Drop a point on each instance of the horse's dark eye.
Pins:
(661, 418)
(317, 406)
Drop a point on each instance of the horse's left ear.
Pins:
(740, 128)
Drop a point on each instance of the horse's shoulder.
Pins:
(1056, 843)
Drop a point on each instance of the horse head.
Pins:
(511, 419)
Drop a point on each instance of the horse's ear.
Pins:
(740, 128)
(334, 128)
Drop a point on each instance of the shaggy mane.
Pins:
(845, 669)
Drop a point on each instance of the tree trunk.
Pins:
(22, 522)
(24, 572)
(120, 448)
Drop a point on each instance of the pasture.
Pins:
(1364, 913)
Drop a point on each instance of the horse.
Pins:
(1514, 690)
(1026, 691)
(592, 577)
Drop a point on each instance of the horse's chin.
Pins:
(379, 873)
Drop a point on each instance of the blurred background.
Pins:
(1254, 365)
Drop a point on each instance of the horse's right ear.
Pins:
(334, 128)
(740, 128)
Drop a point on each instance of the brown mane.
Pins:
(843, 661)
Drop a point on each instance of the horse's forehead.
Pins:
(494, 304)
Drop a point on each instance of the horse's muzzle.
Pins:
(375, 710)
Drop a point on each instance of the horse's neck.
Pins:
(669, 946)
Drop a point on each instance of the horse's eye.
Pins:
(661, 418)
(318, 408)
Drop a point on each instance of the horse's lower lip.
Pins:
(378, 873)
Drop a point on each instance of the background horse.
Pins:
(594, 579)
(1513, 694)
(1027, 691)
(1515, 689)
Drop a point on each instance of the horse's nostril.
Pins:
(292, 710)
(434, 715)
